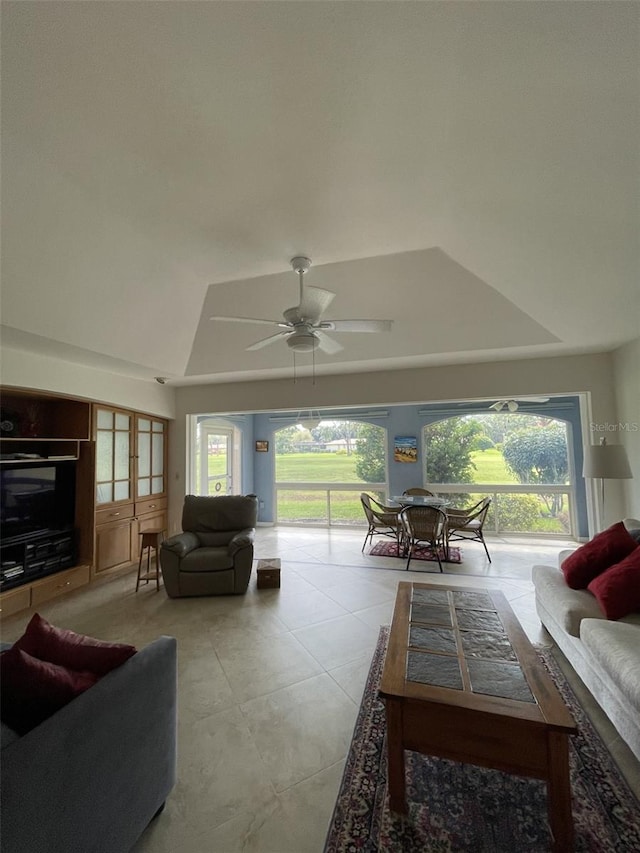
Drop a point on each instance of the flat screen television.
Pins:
(36, 499)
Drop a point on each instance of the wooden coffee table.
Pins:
(462, 681)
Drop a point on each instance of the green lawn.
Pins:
(316, 468)
(491, 468)
(340, 468)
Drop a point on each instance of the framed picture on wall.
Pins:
(262, 446)
(405, 448)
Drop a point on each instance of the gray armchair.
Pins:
(214, 554)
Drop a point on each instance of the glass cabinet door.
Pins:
(113, 456)
(150, 451)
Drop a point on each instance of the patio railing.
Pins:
(540, 510)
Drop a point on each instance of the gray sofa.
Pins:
(90, 778)
(214, 554)
(604, 653)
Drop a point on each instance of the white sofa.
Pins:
(604, 653)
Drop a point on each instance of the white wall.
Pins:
(626, 371)
(611, 380)
(562, 375)
(22, 369)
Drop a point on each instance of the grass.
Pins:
(312, 507)
(340, 468)
(491, 468)
(317, 468)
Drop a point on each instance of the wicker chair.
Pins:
(468, 523)
(417, 490)
(424, 524)
(382, 520)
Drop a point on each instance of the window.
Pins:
(333, 463)
(521, 461)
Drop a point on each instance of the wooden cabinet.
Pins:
(114, 544)
(50, 436)
(120, 460)
(131, 490)
(42, 427)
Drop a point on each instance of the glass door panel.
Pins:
(113, 456)
(150, 475)
(215, 461)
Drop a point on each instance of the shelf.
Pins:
(27, 416)
(40, 438)
(47, 450)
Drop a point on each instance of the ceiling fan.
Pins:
(512, 404)
(303, 328)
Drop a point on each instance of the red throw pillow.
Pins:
(33, 690)
(74, 651)
(605, 549)
(618, 588)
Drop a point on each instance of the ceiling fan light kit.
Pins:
(303, 341)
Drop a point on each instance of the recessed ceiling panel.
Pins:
(436, 305)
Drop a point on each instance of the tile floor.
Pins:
(270, 682)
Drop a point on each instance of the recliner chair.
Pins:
(214, 553)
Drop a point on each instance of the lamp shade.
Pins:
(606, 462)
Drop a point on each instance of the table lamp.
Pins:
(606, 462)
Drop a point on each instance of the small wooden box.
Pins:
(268, 572)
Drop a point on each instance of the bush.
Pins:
(482, 442)
(518, 512)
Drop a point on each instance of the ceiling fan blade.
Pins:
(357, 325)
(247, 320)
(532, 399)
(327, 344)
(266, 341)
(315, 302)
(499, 406)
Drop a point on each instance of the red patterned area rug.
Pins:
(465, 809)
(390, 549)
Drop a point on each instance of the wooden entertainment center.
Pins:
(119, 457)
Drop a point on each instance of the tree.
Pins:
(370, 453)
(284, 439)
(331, 430)
(448, 446)
(325, 432)
(498, 426)
(539, 455)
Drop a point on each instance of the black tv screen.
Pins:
(35, 499)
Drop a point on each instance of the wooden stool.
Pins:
(150, 539)
(268, 572)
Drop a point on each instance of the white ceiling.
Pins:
(469, 170)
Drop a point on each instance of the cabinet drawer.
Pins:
(15, 600)
(59, 584)
(150, 505)
(114, 514)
